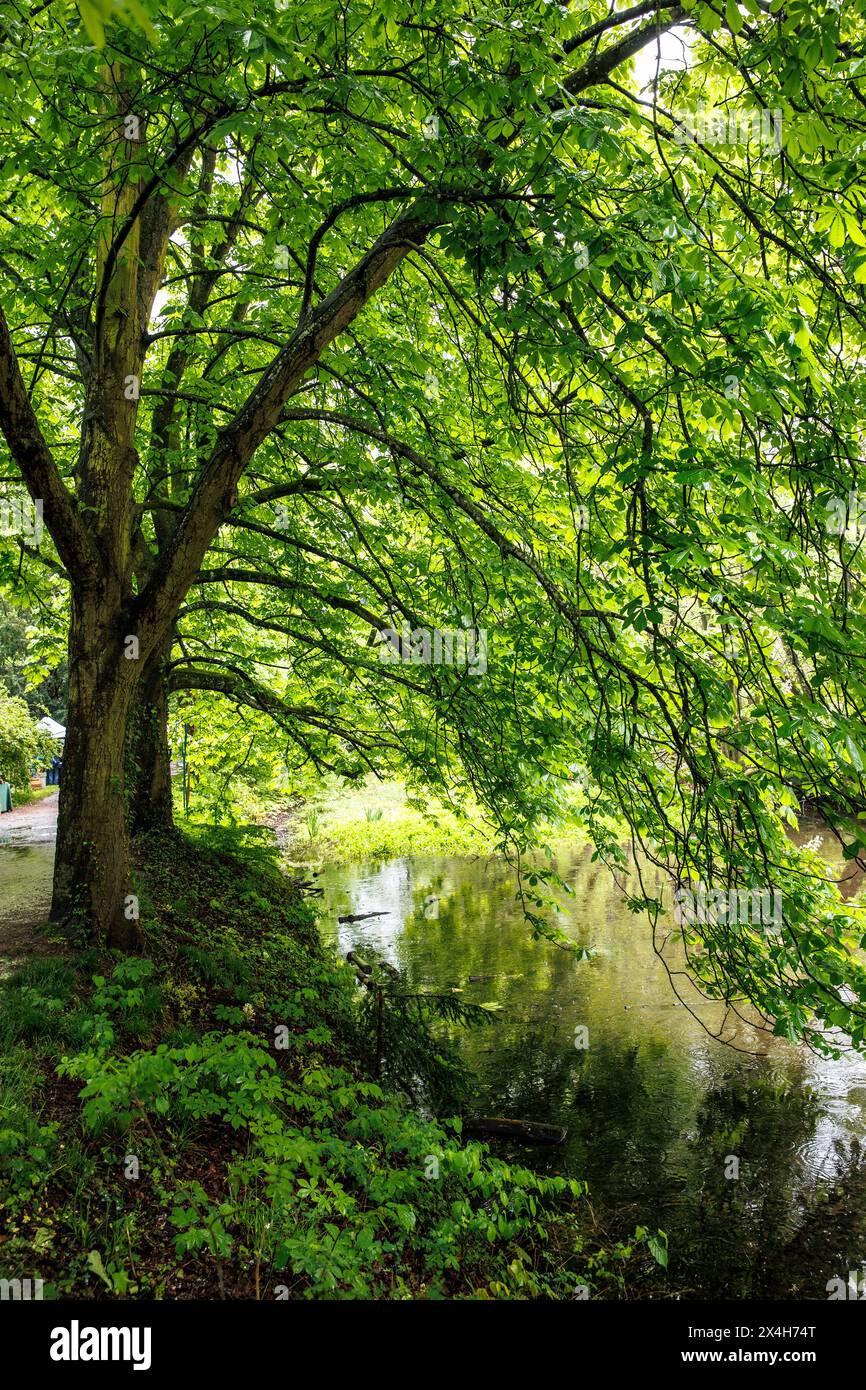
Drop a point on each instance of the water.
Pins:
(25, 896)
(26, 864)
(655, 1106)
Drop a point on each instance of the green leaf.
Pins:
(733, 18)
(91, 18)
(658, 1248)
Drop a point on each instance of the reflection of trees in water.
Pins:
(778, 1231)
(446, 937)
(530, 1079)
(831, 1239)
(623, 1108)
(651, 1114)
(654, 1153)
(626, 1113)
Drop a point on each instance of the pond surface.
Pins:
(25, 895)
(26, 863)
(654, 1105)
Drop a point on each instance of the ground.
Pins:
(31, 824)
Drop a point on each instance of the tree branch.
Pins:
(31, 453)
(215, 493)
(602, 64)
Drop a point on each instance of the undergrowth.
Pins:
(202, 1121)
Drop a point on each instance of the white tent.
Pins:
(51, 726)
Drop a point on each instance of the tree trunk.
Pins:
(92, 878)
(148, 755)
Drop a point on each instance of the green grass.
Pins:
(339, 824)
(35, 1002)
(28, 797)
(378, 821)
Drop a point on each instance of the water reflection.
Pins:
(25, 882)
(655, 1105)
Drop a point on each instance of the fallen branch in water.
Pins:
(520, 1131)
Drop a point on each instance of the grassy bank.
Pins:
(377, 821)
(202, 1121)
(380, 820)
(29, 796)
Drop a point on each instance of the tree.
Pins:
(22, 744)
(350, 316)
(146, 142)
(32, 664)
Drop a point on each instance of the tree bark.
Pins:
(148, 755)
(92, 878)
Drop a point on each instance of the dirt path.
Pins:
(26, 863)
(32, 824)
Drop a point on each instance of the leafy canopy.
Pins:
(603, 405)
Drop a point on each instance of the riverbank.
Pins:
(202, 1121)
(383, 820)
(376, 821)
(594, 1041)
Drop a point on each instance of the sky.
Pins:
(670, 50)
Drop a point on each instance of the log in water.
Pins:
(519, 1131)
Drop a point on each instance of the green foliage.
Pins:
(376, 838)
(35, 1002)
(115, 1277)
(380, 821)
(603, 404)
(351, 1182)
(266, 1166)
(128, 1003)
(97, 14)
(27, 1146)
(33, 659)
(22, 745)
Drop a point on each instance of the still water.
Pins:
(654, 1105)
(25, 896)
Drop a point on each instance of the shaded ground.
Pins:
(26, 863)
